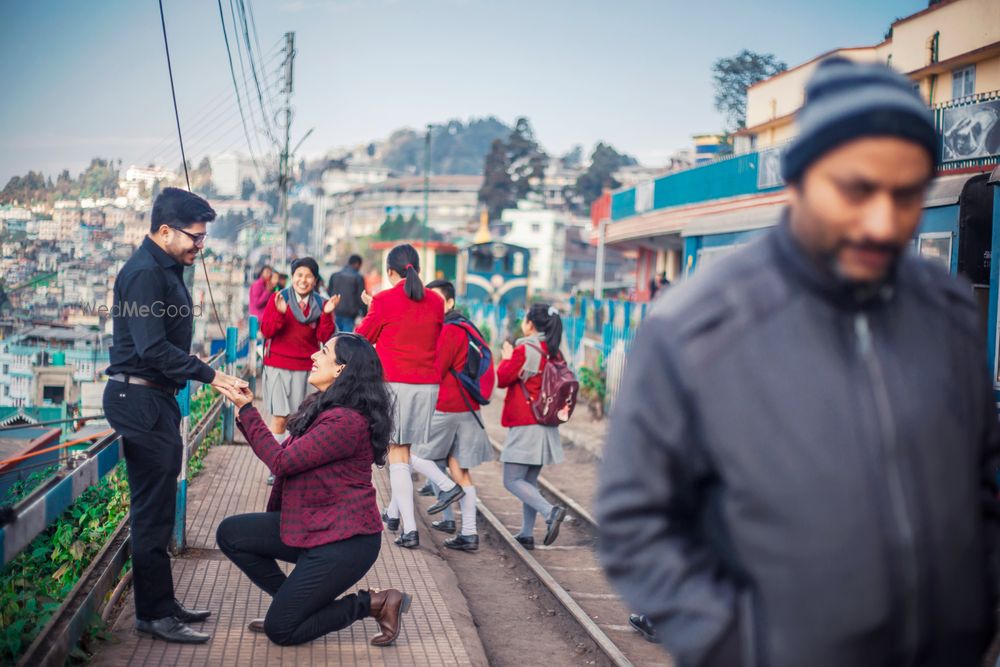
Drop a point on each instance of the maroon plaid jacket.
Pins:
(323, 478)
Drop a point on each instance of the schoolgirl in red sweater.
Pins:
(404, 322)
(295, 324)
(530, 445)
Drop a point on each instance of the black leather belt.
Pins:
(131, 379)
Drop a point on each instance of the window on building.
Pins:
(536, 228)
(963, 82)
(55, 394)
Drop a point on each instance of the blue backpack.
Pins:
(477, 377)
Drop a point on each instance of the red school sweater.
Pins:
(405, 334)
(516, 408)
(452, 353)
(291, 344)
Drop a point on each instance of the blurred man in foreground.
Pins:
(800, 469)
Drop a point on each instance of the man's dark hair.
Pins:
(179, 208)
(446, 287)
(355, 261)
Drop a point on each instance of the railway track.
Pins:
(568, 569)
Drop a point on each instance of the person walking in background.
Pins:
(150, 361)
(295, 323)
(260, 292)
(530, 445)
(322, 514)
(801, 466)
(350, 285)
(457, 430)
(404, 323)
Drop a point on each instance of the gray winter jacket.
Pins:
(799, 473)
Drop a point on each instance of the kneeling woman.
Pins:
(322, 514)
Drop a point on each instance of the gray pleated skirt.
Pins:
(284, 390)
(456, 434)
(533, 445)
(413, 411)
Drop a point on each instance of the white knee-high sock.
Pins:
(402, 494)
(429, 469)
(281, 437)
(468, 505)
(392, 511)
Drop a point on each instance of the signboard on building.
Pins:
(643, 196)
(970, 131)
(769, 168)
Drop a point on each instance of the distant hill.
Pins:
(456, 147)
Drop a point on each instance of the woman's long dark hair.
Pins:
(547, 321)
(405, 260)
(360, 386)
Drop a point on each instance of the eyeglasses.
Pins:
(199, 239)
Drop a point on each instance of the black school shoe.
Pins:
(446, 498)
(642, 625)
(390, 523)
(426, 490)
(446, 526)
(526, 542)
(185, 615)
(556, 518)
(169, 629)
(463, 543)
(410, 540)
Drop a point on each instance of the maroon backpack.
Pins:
(557, 397)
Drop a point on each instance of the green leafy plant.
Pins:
(22, 487)
(33, 585)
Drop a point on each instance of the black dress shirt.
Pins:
(152, 321)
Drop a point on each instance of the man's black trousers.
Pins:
(148, 420)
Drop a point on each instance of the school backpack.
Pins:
(557, 397)
(477, 377)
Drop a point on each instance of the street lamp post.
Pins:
(427, 186)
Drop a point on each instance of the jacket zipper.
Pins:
(887, 425)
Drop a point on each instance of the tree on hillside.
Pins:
(604, 162)
(732, 76)
(456, 147)
(513, 170)
(573, 157)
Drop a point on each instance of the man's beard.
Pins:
(829, 258)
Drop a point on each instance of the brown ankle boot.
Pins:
(387, 608)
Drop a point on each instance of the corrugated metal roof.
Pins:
(945, 190)
(739, 220)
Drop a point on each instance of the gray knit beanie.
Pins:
(846, 100)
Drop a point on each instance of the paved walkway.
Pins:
(438, 630)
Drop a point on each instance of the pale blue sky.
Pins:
(85, 78)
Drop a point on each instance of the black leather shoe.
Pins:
(185, 615)
(556, 518)
(642, 626)
(463, 543)
(526, 542)
(410, 540)
(390, 523)
(426, 490)
(446, 526)
(169, 629)
(446, 498)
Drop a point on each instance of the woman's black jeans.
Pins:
(305, 604)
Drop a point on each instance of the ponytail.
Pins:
(405, 261)
(546, 319)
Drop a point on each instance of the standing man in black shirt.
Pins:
(150, 362)
(349, 284)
